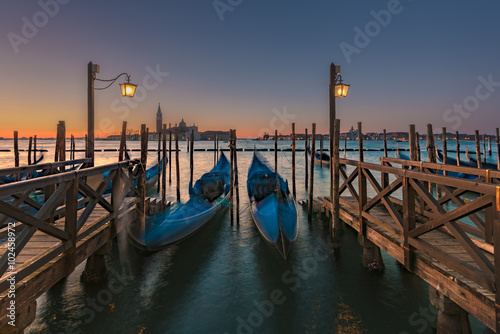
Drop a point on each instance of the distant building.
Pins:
(159, 120)
(185, 131)
(211, 135)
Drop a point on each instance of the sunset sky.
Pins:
(253, 65)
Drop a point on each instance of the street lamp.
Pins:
(127, 88)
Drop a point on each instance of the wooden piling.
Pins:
(16, 152)
(177, 170)
(141, 182)
(34, 148)
(62, 143)
(457, 137)
(335, 215)
(231, 174)
(86, 146)
(306, 179)
(311, 182)
(321, 150)
(56, 148)
(385, 143)
(29, 150)
(413, 144)
(236, 183)
(431, 151)
(215, 152)
(191, 158)
(484, 148)
(169, 156)
(445, 149)
(276, 150)
(362, 192)
(360, 143)
(417, 141)
(489, 145)
(164, 167)
(217, 139)
(478, 150)
(123, 138)
(345, 147)
(294, 190)
(158, 175)
(72, 148)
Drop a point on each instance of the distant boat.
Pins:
(272, 206)
(321, 159)
(484, 165)
(209, 196)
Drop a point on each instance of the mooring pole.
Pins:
(489, 145)
(321, 150)
(231, 176)
(336, 225)
(306, 179)
(385, 143)
(360, 143)
(445, 149)
(417, 141)
(177, 170)
(158, 184)
(498, 149)
(236, 184)
(34, 148)
(431, 150)
(478, 150)
(141, 182)
(484, 148)
(215, 152)
(191, 158)
(164, 168)
(276, 150)
(413, 145)
(294, 191)
(457, 137)
(123, 138)
(169, 156)
(29, 151)
(311, 182)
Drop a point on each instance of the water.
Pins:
(225, 279)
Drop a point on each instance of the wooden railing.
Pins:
(415, 211)
(74, 196)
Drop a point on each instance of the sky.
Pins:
(251, 65)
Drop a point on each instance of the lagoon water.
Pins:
(225, 279)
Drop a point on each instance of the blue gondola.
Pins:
(209, 196)
(484, 165)
(272, 207)
(11, 178)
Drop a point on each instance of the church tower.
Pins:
(159, 120)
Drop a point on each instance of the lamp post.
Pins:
(337, 89)
(127, 89)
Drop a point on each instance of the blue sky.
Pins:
(262, 60)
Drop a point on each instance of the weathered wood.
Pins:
(236, 183)
(385, 143)
(360, 143)
(231, 174)
(141, 181)
(457, 137)
(170, 156)
(191, 159)
(294, 190)
(484, 148)
(321, 150)
(413, 144)
(34, 148)
(16, 152)
(336, 224)
(496, 229)
(498, 149)
(417, 141)
(431, 149)
(478, 150)
(215, 150)
(123, 138)
(29, 151)
(276, 150)
(164, 167)
(311, 182)
(362, 190)
(158, 161)
(489, 145)
(177, 168)
(306, 178)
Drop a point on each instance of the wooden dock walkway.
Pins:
(75, 217)
(447, 240)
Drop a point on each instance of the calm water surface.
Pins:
(225, 279)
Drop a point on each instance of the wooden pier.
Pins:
(57, 221)
(448, 242)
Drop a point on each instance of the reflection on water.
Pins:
(225, 279)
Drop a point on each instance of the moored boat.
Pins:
(208, 197)
(272, 206)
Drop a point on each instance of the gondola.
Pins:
(272, 206)
(209, 196)
(23, 176)
(484, 165)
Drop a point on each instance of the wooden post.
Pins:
(445, 149)
(431, 150)
(123, 138)
(276, 150)
(457, 137)
(321, 150)
(58, 137)
(408, 221)
(72, 148)
(294, 190)
(361, 185)
(498, 149)
(306, 179)
(158, 175)
(311, 182)
(360, 143)
(417, 142)
(164, 167)
(29, 150)
(86, 146)
(231, 175)
(141, 182)
(385, 143)
(336, 225)
(177, 170)
(215, 151)
(191, 159)
(236, 184)
(478, 150)
(484, 148)
(34, 148)
(496, 231)
(62, 144)
(169, 156)
(217, 147)
(16, 152)
(413, 144)
(489, 145)
(70, 223)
